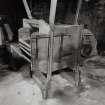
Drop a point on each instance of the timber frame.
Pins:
(73, 31)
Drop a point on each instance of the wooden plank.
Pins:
(40, 36)
(31, 22)
(59, 30)
(25, 47)
(23, 42)
(66, 29)
(68, 43)
(78, 11)
(25, 51)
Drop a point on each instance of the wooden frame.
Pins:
(55, 31)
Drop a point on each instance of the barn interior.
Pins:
(52, 52)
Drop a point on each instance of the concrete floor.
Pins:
(16, 90)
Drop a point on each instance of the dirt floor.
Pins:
(17, 90)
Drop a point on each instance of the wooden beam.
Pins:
(1, 36)
(24, 43)
(78, 11)
(50, 63)
(9, 32)
(31, 22)
(27, 9)
(16, 50)
(52, 12)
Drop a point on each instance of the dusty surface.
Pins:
(14, 90)
(18, 90)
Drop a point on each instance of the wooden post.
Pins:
(50, 62)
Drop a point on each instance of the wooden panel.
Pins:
(71, 42)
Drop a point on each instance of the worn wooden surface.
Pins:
(64, 46)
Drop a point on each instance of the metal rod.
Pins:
(50, 63)
(27, 9)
